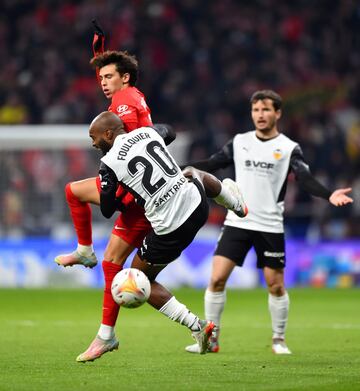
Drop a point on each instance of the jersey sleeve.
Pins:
(221, 159)
(304, 176)
(144, 116)
(108, 183)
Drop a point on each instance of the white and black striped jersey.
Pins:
(143, 165)
(261, 169)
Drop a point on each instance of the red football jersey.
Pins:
(130, 105)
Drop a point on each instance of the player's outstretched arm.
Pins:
(166, 132)
(221, 159)
(339, 197)
(98, 44)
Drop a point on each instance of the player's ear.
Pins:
(109, 134)
(278, 114)
(126, 77)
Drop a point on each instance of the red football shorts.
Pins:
(130, 225)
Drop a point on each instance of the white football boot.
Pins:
(202, 337)
(239, 207)
(97, 348)
(213, 343)
(279, 346)
(75, 258)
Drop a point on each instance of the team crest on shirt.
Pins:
(278, 154)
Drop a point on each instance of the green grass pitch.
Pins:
(42, 332)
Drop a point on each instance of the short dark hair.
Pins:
(124, 62)
(267, 94)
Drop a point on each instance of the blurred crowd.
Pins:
(200, 61)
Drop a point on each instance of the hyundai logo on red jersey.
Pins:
(122, 108)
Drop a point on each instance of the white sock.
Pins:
(85, 250)
(225, 198)
(106, 332)
(279, 309)
(178, 312)
(214, 305)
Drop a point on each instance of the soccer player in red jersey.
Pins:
(117, 73)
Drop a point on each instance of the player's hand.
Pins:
(339, 197)
(99, 38)
(97, 29)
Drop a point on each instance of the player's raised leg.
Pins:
(215, 299)
(226, 193)
(279, 308)
(78, 196)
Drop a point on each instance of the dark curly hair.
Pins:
(124, 62)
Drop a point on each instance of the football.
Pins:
(130, 288)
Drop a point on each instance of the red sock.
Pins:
(81, 217)
(110, 308)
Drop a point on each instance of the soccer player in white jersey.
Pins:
(175, 206)
(263, 159)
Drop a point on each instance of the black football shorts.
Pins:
(234, 243)
(163, 249)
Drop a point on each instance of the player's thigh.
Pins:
(270, 249)
(86, 190)
(234, 244)
(132, 225)
(117, 250)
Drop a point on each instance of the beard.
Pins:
(269, 127)
(104, 147)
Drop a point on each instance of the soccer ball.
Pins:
(130, 288)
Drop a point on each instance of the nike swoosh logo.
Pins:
(122, 228)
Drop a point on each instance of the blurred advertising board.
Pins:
(30, 263)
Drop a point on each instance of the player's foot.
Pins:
(279, 346)
(239, 208)
(213, 343)
(76, 259)
(202, 337)
(97, 348)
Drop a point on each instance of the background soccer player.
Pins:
(263, 159)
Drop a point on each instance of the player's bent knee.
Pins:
(114, 257)
(276, 289)
(217, 284)
(68, 192)
(117, 250)
(188, 171)
(85, 190)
